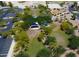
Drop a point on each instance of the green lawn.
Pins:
(34, 47)
(61, 37)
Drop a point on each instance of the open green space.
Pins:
(61, 37)
(35, 47)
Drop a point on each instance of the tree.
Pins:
(71, 54)
(2, 3)
(56, 52)
(45, 52)
(50, 39)
(67, 27)
(73, 42)
(44, 14)
(73, 17)
(62, 3)
(21, 39)
(10, 4)
(28, 20)
(27, 11)
(47, 30)
(43, 10)
(22, 43)
(51, 42)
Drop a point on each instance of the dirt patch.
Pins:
(33, 33)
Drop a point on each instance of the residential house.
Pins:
(55, 8)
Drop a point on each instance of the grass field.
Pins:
(34, 47)
(61, 37)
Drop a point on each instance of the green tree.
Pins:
(62, 3)
(50, 39)
(22, 43)
(43, 10)
(43, 19)
(2, 3)
(27, 11)
(44, 14)
(10, 4)
(28, 20)
(67, 27)
(47, 30)
(56, 52)
(21, 38)
(73, 42)
(51, 42)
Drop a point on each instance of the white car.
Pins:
(35, 26)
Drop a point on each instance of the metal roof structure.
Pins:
(5, 44)
(54, 5)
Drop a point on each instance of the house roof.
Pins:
(10, 15)
(4, 7)
(54, 5)
(5, 46)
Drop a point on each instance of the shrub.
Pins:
(70, 55)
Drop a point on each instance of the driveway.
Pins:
(33, 33)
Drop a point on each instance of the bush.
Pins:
(58, 51)
(45, 52)
(73, 42)
(70, 55)
(78, 51)
(50, 39)
(22, 54)
(47, 30)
